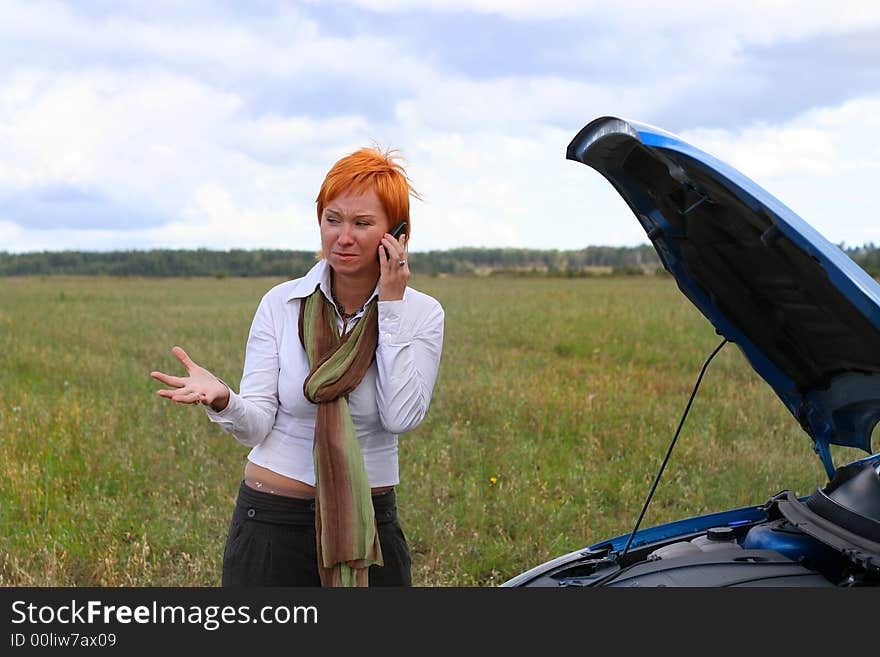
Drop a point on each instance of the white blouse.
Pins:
(272, 415)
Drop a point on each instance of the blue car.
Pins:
(807, 319)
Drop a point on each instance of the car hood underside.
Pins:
(806, 317)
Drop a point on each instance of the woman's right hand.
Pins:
(198, 386)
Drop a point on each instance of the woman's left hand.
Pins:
(393, 268)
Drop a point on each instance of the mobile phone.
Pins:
(398, 230)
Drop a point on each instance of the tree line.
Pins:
(587, 261)
(286, 263)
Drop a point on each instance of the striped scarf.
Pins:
(345, 521)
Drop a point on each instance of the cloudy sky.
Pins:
(137, 125)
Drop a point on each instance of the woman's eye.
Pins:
(332, 220)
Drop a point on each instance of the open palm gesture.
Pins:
(199, 385)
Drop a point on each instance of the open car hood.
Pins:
(805, 316)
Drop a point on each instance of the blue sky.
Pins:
(202, 124)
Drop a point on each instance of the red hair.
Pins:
(371, 168)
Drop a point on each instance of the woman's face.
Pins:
(352, 224)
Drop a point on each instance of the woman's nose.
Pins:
(345, 233)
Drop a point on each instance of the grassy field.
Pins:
(555, 404)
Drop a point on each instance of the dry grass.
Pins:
(555, 403)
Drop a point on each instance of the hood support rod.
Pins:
(671, 446)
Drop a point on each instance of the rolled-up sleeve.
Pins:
(407, 360)
(250, 414)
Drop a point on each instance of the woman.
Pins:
(338, 363)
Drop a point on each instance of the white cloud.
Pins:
(215, 217)
(823, 164)
(756, 20)
(493, 190)
(10, 233)
(174, 38)
(103, 126)
(168, 112)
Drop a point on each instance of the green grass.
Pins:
(555, 404)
